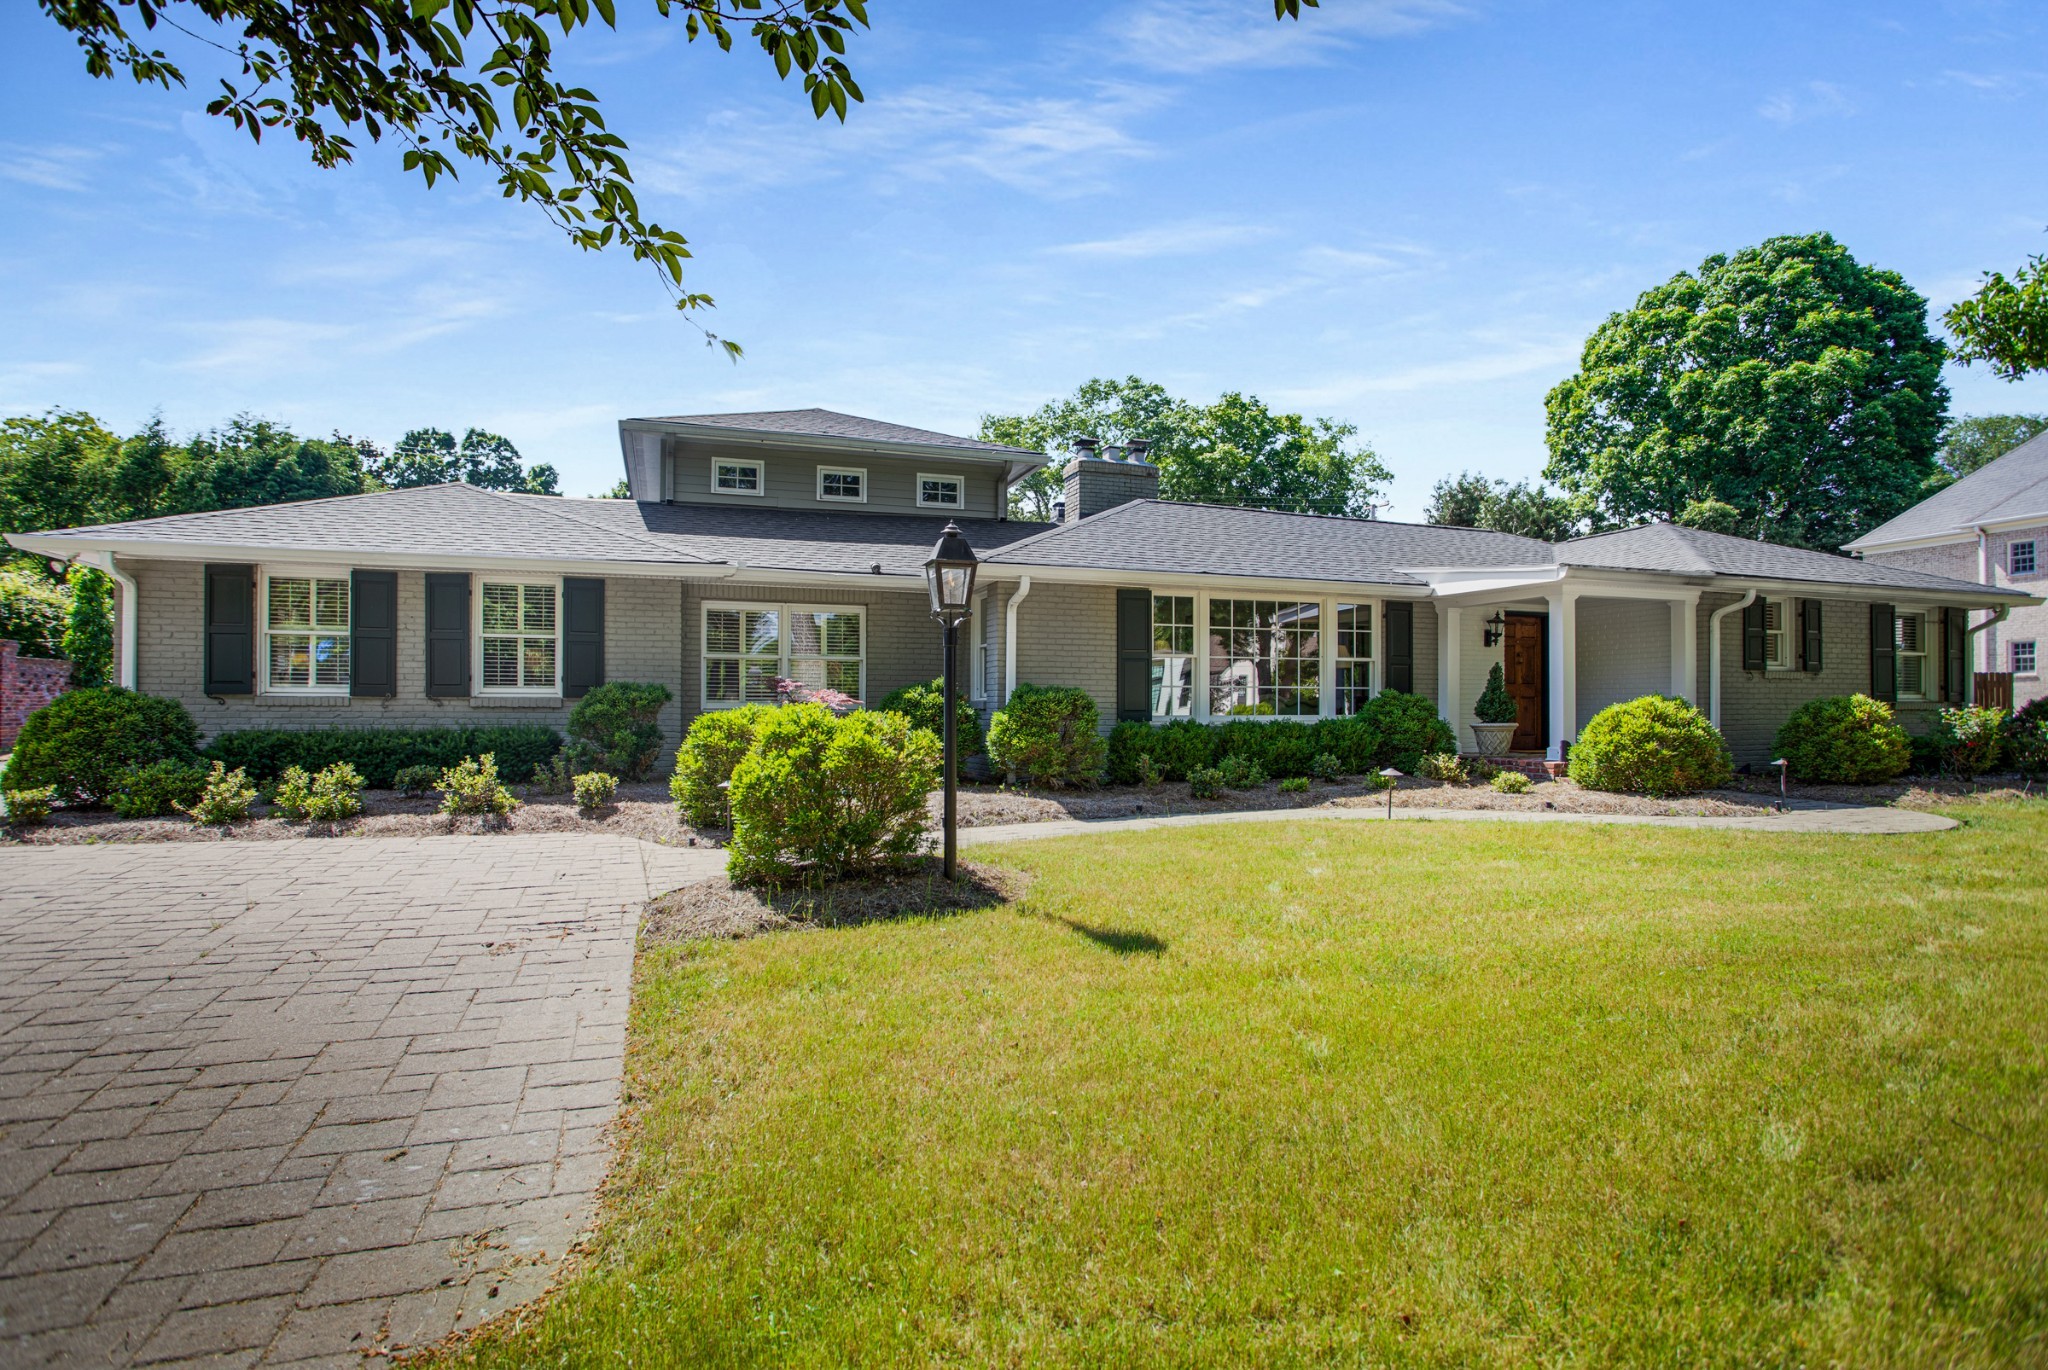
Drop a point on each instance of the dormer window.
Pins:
(842, 484)
(939, 492)
(737, 477)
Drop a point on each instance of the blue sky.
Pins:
(1406, 214)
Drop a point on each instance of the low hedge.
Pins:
(1654, 745)
(1393, 729)
(378, 754)
(85, 742)
(1844, 740)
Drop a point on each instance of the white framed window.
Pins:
(940, 492)
(748, 646)
(2020, 558)
(978, 668)
(1173, 656)
(518, 637)
(738, 478)
(1777, 640)
(1353, 660)
(843, 484)
(1909, 642)
(1265, 658)
(2024, 662)
(306, 633)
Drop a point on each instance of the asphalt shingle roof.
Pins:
(1672, 549)
(827, 423)
(2013, 486)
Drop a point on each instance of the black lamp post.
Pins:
(949, 574)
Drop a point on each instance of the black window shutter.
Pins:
(1134, 655)
(373, 634)
(1400, 646)
(1884, 676)
(230, 667)
(582, 636)
(1809, 633)
(1753, 636)
(1953, 653)
(447, 635)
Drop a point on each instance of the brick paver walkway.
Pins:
(283, 1101)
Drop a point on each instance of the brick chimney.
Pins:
(1095, 482)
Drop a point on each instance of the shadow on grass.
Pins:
(715, 908)
(1118, 940)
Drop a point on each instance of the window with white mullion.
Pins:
(1265, 658)
(1777, 648)
(747, 647)
(824, 649)
(1173, 656)
(1910, 651)
(306, 634)
(519, 631)
(1351, 645)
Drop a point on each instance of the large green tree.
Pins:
(2005, 324)
(1968, 443)
(1237, 450)
(462, 81)
(432, 456)
(1470, 500)
(1789, 381)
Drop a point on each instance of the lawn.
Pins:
(1355, 1093)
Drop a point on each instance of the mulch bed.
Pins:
(715, 909)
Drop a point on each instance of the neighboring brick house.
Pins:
(792, 544)
(27, 683)
(1990, 527)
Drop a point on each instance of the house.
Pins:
(1990, 527)
(791, 544)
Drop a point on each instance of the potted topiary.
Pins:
(1495, 730)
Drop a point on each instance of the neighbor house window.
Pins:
(736, 477)
(518, 627)
(747, 647)
(1354, 657)
(2020, 558)
(939, 492)
(1777, 648)
(306, 624)
(842, 483)
(1173, 656)
(1265, 658)
(1910, 641)
(2023, 658)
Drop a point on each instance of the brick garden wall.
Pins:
(27, 683)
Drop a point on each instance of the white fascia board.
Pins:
(71, 548)
(1961, 533)
(809, 442)
(1201, 580)
(1976, 596)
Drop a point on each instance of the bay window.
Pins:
(306, 634)
(519, 632)
(747, 647)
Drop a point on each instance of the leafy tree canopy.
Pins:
(1968, 443)
(432, 456)
(1789, 381)
(1470, 500)
(1234, 451)
(2005, 324)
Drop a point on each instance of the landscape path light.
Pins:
(1393, 778)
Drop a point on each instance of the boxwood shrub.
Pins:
(1654, 745)
(818, 796)
(1393, 728)
(716, 743)
(378, 754)
(1844, 740)
(84, 742)
(615, 728)
(924, 705)
(1047, 735)
(1402, 729)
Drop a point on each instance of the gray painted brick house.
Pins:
(792, 544)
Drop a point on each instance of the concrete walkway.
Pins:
(285, 1101)
(1809, 817)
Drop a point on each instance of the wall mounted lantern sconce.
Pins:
(1495, 628)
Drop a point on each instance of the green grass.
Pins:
(1356, 1094)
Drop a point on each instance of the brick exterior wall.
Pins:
(2028, 623)
(27, 683)
(1093, 485)
(1624, 652)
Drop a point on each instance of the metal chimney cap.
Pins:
(1136, 448)
(1084, 444)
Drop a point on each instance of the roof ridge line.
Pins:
(561, 511)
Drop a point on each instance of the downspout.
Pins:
(1984, 577)
(126, 614)
(1714, 655)
(1970, 648)
(1010, 638)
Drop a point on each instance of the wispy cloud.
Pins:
(2001, 83)
(1487, 362)
(56, 166)
(1814, 100)
(1189, 36)
(1166, 240)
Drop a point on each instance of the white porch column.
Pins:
(1685, 648)
(1563, 685)
(1449, 630)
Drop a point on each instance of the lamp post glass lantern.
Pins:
(949, 575)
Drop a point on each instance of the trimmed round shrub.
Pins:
(715, 744)
(594, 790)
(84, 741)
(616, 728)
(1205, 782)
(1404, 728)
(1844, 740)
(1047, 735)
(818, 796)
(924, 705)
(1655, 745)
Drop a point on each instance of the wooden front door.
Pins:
(1527, 667)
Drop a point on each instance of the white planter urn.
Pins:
(1493, 739)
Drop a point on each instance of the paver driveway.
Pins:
(297, 1100)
